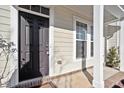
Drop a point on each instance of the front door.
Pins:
(33, 46)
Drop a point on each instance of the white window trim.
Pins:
(76, 18)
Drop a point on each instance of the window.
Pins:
(81, 30)
(25, 6)
(92, 43)
(36, 8)
(45, 10)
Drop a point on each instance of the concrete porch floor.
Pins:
(78, 79)
(83, 79)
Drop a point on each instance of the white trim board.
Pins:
(31, 12)
(51, 41)
(14, 38)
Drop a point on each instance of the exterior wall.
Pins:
(113, 41)
(112, 35)
(4, 32)
(64, 41)
(5, 21)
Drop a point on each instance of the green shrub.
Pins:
(113, 58)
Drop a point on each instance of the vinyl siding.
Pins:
(5, 21)
(4, 31)
(112, 34)
(63, 40)
(113, 41)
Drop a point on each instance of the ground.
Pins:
(83, 79)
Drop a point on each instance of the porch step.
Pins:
(29, 83)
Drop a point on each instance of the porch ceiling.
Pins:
(87, 12)
(108, 17)
(111, 13)
(115, 10)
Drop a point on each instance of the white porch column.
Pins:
(122, 46)
(98, 16)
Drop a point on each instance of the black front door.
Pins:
(33, 46)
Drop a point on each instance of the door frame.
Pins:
(14, 37)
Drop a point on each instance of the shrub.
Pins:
(6, 51)
(113, 58)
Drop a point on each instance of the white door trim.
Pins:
(14, 37)
(51, 41)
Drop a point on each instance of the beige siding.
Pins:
(5, 7)
(5, 21)
(4, 12)
(63, 40)
(4, 30)
(113, 41)
(112, 34)
(4, 27)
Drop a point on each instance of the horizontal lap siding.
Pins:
(113, 41)
(63, 38)
(5, 21)
(5, 7)
(4, 29)
(63, 41)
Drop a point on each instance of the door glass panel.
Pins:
(27, 34)
(41, 35)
